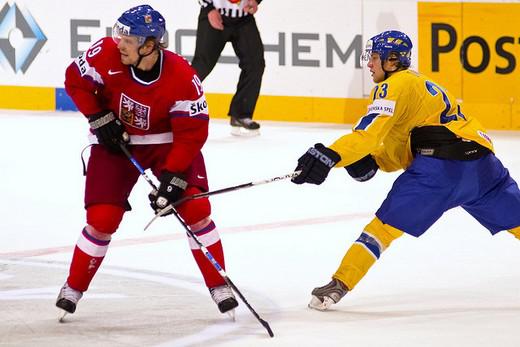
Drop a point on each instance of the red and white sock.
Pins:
(88, 255)
(210, 238)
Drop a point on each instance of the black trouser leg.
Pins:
(208, 47)
(249, 49)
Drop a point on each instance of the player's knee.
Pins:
(382, 233)
(200, 224)
(104, 218)
(196, 211)
(90, 230)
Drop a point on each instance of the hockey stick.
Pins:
(204, 250)
(170, 207)
(137, 165)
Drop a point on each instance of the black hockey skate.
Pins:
(244, 127)
(331, 293)
(67, 300)
(224, 298)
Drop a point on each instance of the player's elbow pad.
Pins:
(363, 169)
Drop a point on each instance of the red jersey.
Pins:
(171, 108)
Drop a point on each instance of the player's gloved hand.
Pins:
(109, 130)
(315, 164)
(170, 190)
(363, 169)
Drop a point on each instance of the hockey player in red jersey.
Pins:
(135, 92)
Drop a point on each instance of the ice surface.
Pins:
(454, 286)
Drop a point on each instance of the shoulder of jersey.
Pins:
(411, 75)
(105, 56)
(404, 79)
(103, 51)
(178, 63)
(108, 47)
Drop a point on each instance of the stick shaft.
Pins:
(204, 250)
(168, 208)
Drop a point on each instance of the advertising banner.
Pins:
(312, 50)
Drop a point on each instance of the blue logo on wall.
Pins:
(20, 37)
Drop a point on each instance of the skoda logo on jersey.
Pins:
(20, 38)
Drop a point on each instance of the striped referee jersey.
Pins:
(228, 8)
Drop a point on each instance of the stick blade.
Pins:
(267, 327)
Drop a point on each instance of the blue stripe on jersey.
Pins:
(371, 243)
(366, 121)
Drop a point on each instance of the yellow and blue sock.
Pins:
(365, 251)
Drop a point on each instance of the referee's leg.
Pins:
(208, 47)
(249, 49)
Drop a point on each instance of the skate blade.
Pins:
(231, 314)
(240, 131)
(61, 317)
(317, 304)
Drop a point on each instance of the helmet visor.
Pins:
(367, 53)
(119, 30)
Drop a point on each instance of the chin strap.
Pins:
(141, 56)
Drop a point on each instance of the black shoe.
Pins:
(331, 293)
(246, 123)
(244, 127)
(224, 298)
(335, 290)
(227, 305)
(68, 298)
(66, 305)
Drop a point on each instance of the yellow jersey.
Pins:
(400, 103)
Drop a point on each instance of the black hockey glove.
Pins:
(170, 190)
(109, 130)
(316, 164)
(363, 169)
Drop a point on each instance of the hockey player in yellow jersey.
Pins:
(414, 124)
